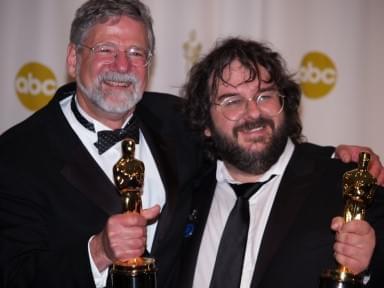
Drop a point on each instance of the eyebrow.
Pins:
(269, 88)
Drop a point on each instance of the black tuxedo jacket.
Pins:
(54, 196)
(297, 242)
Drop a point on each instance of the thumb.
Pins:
(337, 223)
(151, 213)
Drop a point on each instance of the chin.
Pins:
(122, 103)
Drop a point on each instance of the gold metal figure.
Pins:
(358, 189)
(128, 173)
(358, 192)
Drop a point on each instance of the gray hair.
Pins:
(99, 11)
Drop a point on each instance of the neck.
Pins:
(241, 176)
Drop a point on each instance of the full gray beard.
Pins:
(128, 99)
(253, 162)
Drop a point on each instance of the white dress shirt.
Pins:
(153, 189)
(224, 199)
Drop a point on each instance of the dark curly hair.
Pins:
(204, 77)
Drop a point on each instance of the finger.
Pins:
(356, 150)
(126, 220)
(376, 169)
(360, 254)
(375, 165)
(357, 234)
(151, 213)
(128, 251)
(342, 153)
(126, 244)
(360, 227)
(351, 239)
(124, 227)
(354, 265)
(380, 178)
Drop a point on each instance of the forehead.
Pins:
(237, 77)
(236, 74)
(118, 29)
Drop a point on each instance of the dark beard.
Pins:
(251, 162)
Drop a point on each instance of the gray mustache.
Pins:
(118, 77)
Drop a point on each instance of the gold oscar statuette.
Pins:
(358, 192)
(128, 175)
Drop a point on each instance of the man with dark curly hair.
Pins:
(244, 104)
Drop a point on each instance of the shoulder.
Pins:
(46, 116)
(318, 159)
(163, 108)
(32, 132)
(161, 102)
(26, 131)
(315, 150)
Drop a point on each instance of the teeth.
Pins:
(256, 128)
(118, 84)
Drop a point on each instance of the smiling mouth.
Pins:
(118, 84)
(253, 129)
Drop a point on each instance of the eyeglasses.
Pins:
(234, 107)
(107, 54)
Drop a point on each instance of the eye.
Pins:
(265, 97)
(136, 52)
(105, 50)
(232, 101)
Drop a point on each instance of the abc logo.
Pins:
(35, 85)
(317, 75)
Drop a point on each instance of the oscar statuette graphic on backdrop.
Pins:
(128, 174)
(358, 192)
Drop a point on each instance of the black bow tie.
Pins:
(107, 138)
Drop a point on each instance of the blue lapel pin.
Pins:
(190, 227)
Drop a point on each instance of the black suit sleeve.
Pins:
(28, 254)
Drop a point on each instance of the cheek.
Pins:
(223, 125)
(142, 75)
(279, 120)
(88, 71)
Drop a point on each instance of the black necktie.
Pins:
(230, 255)
(107, 138)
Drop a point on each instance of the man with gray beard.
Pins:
(61, 216)
(263, 211)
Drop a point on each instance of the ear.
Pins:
(71, 60)
(207, 132)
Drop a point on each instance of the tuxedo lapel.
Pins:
(77, 166)
(85, 175)
(289, 199)
(204, 189)
(162, 147)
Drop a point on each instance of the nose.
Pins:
(122, 62)
(252, 110)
